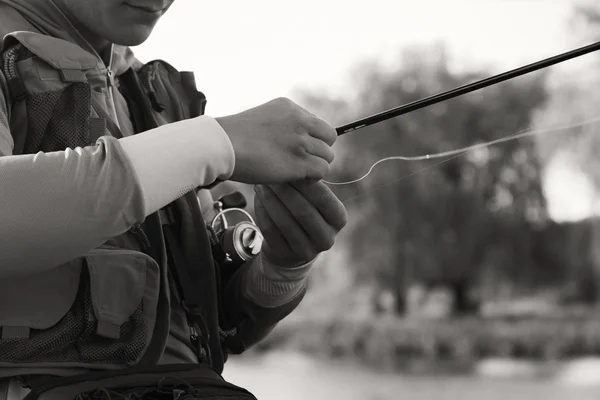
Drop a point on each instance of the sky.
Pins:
(245, 53)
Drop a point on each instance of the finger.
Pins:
(321, 130)
(289, 228)
(318, 148)
(315, 167)
(273, 237)
(319, 232)
(325, 201)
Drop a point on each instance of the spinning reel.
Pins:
(240, 241)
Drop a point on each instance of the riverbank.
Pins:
(453, 345)
(294, 376)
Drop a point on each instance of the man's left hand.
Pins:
(298, 220)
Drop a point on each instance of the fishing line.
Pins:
(453, 154)
(464, 150)
(401, 178)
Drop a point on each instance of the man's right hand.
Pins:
(279, 142)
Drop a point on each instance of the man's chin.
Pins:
(133, 37)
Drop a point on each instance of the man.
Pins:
(97, 151)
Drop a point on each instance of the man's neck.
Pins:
(100, 45)
(105, 53)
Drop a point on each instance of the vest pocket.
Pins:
(97, 311)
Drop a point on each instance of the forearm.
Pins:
(57, 206)
(258, 297)
(173, 159)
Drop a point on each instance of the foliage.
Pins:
(573, 98)
(451, 221)
(395, 343)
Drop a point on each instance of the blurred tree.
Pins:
(439, 224)
(573, 98)
(586, 19)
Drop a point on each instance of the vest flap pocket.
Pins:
(97, 311)
(38, 301)
(124, 291)
(118, 285)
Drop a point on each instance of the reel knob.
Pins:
(242, 241)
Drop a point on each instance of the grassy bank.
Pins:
(404, 344)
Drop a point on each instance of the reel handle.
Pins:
(233, 200)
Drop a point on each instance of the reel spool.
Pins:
(241, 241)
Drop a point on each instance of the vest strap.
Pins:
(108, 330)
(166, 218)
(73, 76)
(15, 332)
(188, 285)
(96, 129)
(4, 386)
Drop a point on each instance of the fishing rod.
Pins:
(428, 101)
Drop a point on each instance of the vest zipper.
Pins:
(110, 84)
(137, 229)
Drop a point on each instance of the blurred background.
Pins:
(475, 278)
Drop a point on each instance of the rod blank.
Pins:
(428, 101)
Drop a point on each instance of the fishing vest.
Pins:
(110, 308)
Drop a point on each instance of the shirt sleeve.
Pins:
(256, 298)
(270, 286)
(57, 206)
